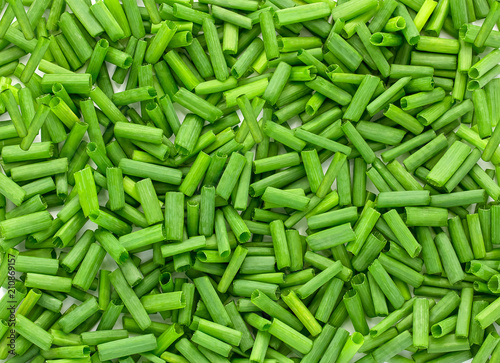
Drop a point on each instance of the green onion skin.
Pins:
(495, 216)
(237, 224)
(277, 231)
(475, 235)
(449, 343)
(105, 104)
(22, 19)
(269, 35)
(85, 184)
(277, 83)
(371, 343)
(168, 337)
(82, 12)
(212, 86)
(487, 26)
(333, 169)
(485, 182)
(103, 336)
(104, 14)
(296, 14)
(365, 224)
(332, 293)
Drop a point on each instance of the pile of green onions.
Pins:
(235, 180)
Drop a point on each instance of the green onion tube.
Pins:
(163, 302)
(331, 237)
(386, 284)
(11, 190)
(266, 304)
(33, 333)
(464, 313)
(130, 299)
(160, 42)
(24, 225)
(402, 233)
(302, 13)
(232, 268)
(197, 105)
(354, 307)
(215, 307)
(319, 280)
(449, 258)
(125, 347)
(215, 50)
(10, 104)
(77, 316)
(301, 311)
(350, 348)
(39, 51)
(287, 334)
